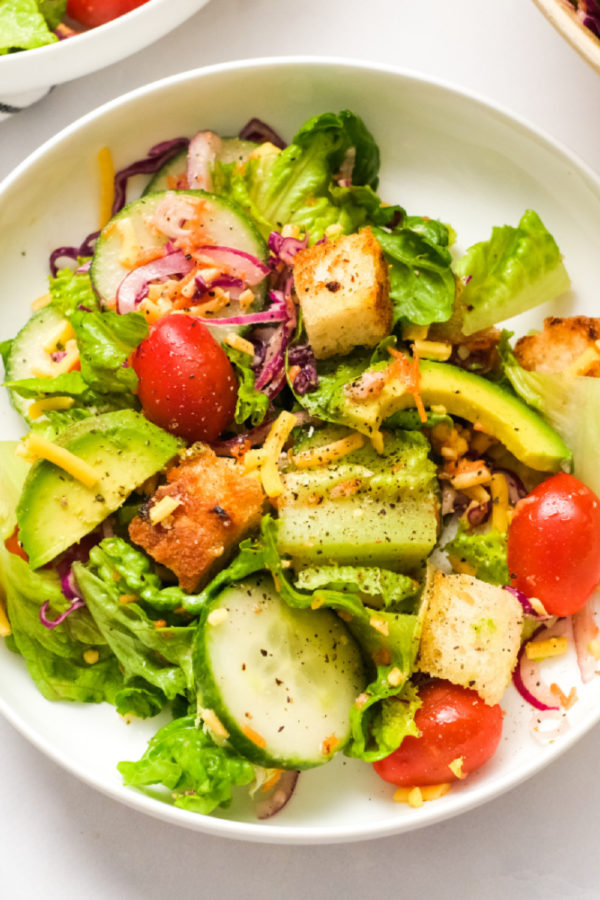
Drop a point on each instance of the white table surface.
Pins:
(61, 839)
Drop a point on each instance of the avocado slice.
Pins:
(56, 510)
(367, 509)
(522, 430)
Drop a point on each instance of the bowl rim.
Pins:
(257, 832)
(565, 20)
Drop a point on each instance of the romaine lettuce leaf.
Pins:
(422, 285)
(53, 11)
(183, 758)
(251, 405)
(22, 26)
(379, 587)
(296, 185)
(515, 270)
(485, 551)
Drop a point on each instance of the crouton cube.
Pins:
(561, 343)
(471, 633)
(343, 290)
(214, 507)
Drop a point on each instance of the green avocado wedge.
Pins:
(56, 510)
(522, 430)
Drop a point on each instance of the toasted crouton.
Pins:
(560, 345)
(343, 290)
(471, 634)
(214, 505)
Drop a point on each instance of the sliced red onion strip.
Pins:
(243, 265)
(203, 150)
(279, 796)
(526, 676)
(585, 630)
(258, 131)
(546, 736)
(52, 623)
(134, 287)
(157, 156)
(173, 211)
(285, 248)
(523, 600)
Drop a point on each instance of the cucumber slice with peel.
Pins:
(27, 351)
(280, 681)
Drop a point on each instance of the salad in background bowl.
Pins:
(47, 42)
(579, 22)
(207, 218)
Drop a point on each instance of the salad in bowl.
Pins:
(285, 480)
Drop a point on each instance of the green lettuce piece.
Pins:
(569, 403)
(183, 758)
(297, 184)
(22, 26)
(251, 405)
(422, 285)
(53, 11)
(396, 719)
(327, 401)
(486, 552)
(70, 289)
(139, 699)
(389, 589)
(515, 270)
(161, 656)
(54, 658)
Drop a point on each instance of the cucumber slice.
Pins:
(232, 150)
(28, 352)
(280, 680)
(225, 224)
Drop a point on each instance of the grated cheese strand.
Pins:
(39, 407)
(240, 343)
(322, 456)
(64, 459)
(161, 510)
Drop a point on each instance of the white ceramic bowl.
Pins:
(445, 154)
(31, 72)
(567, 22)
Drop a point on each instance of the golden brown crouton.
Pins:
(216, 506)
(560, 345)
(471, 633)
(343, 290)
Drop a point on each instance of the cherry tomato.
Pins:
(186, 382)
(97, 12)
(554, 544)
(454, 723)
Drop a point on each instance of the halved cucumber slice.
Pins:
(225, 224)
(281, 681)
(27, 351)
(232, 150)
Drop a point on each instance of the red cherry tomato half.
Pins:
(554, 544)
(186, 382)
(97, 12)
(454, 723)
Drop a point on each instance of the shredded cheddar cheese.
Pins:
(38, 446)
(5, 629)
(91, 657)
(554, 646)
(322, 456)
(39, 407)
(65, 364)
(41, 302)
(438, 350)
(499, 489)
(456, 767)
(240, 343)
(217, 616)
(161, 510)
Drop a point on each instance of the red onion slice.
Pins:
(52, 623)
(528, 680)
(547, 735)
(134, 287)
(525, 602)
(173, 211)
(242, 265)
(585, 631)
(285, 249)
(279, 795)
(203, 151)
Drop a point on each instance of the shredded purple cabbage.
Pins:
(52, 623)
(589, 13)
(63, 567)
(258, 131)
(284, 249)
(270, 379)
(307, 379)
(149, 165)
(72, 253)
